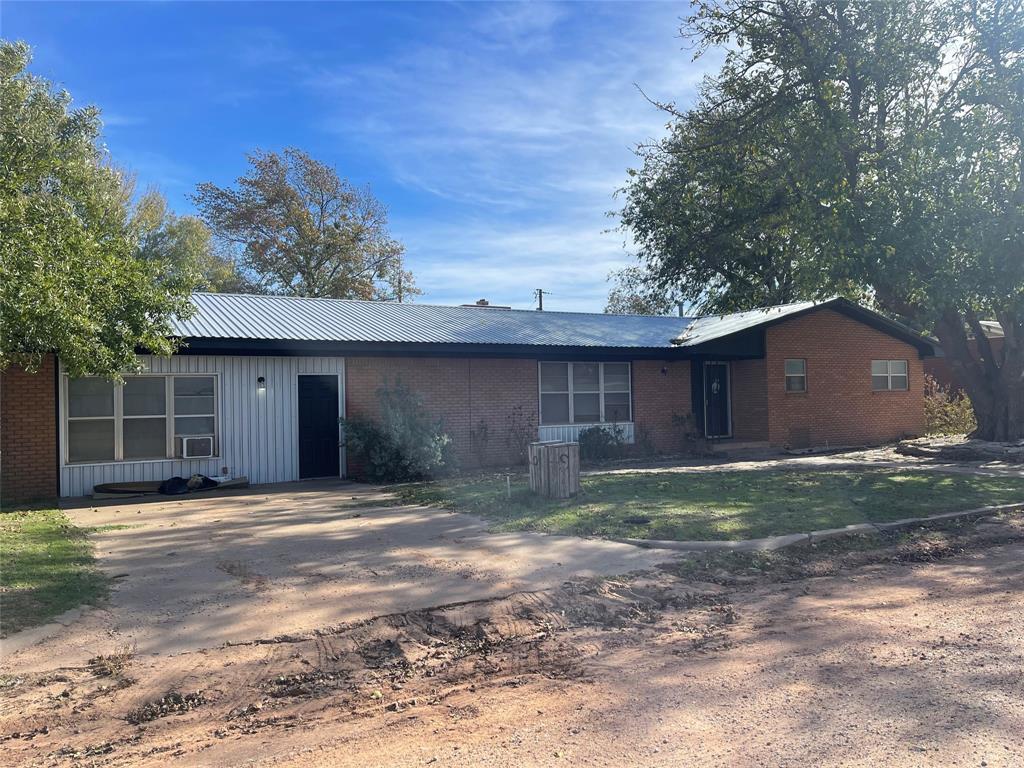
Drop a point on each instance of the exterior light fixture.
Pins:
(261, 384)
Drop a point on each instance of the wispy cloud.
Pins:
(120, 120)
(496, 133)
(523, 130)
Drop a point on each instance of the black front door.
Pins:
(318, 427)
(716, 400)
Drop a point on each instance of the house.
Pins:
(260, 383)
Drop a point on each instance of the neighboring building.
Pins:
(261, 381)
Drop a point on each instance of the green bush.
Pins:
(601, 443)
(947, 412)
(406, 444)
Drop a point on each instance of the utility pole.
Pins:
(539, 295)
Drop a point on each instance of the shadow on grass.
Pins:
(719, 505)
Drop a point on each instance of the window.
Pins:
(889, 375)
(796, 375)
(90, 420)
(144, 418)
(584, 393)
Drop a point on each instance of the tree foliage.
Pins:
(873, 150)
(185, 243)
(302, 230)
(631, 294)
(71, 281)
(947, 411)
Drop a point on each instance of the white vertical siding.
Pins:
(258, 431)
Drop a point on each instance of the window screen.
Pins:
(91, 420)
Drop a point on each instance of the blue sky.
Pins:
(496, 134)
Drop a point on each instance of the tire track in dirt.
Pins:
(186, 703)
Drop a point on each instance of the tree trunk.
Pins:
(993, 380)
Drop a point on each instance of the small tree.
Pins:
(302, 230)
(71, 281)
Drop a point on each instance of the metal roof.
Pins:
(286, 318)
(704, 329)
(294, 319)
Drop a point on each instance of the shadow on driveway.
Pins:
(201, 571)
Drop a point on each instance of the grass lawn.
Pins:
(718, 505)
(46, 568)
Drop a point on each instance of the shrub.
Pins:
(406, 444)
(599, 443)
(947, 412)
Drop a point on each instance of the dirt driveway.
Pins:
(289, 559)
(906, 652)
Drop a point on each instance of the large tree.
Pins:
(874, 150)
(71, 281)
(185, 243)
(302, 230)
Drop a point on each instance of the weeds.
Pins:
(113, 664)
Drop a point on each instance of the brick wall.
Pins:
(467, 394)
(839, 406)
(661, 389)
(749, 400)
(28, 434)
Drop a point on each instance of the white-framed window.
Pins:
(585, 393)
(888, 375)
(796, 375)
(146, 417)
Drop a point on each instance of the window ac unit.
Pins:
(197, 447)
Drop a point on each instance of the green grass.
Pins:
(46, 568)
(719, 505)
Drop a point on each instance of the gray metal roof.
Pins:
(293, 319)
(286, 318)
(704, 329)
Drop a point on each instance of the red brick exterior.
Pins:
(661, 390)
(749, 401)
(839, 406)
(465, 393)
(28, 434)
